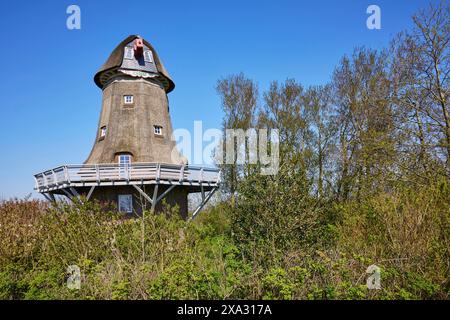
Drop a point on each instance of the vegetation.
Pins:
(364, 178)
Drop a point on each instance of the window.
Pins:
(128, 99)
(103, 132)
(124, 159)
(157, 130)
(125, 202)
(148, 56)
(129, 53)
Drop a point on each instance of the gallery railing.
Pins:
(103, 173)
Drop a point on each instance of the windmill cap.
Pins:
(116, 57)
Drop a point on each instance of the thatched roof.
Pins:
(115, 61)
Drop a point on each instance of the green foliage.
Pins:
(162, 256)
(121, 290)
(277, 285)
(267, 221)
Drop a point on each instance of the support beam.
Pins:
(201, 184)
(203, 191)
(143, 193)
(75, 192)
(90, 193)
(68, 194)
(155, 199)
(202, 204)
(155, 195)
(165, 193)
(73, 195)
(50, 197)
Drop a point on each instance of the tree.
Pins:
(322, 126)
(422, 68)
(239, 97)
(283, 110)
(362, 93)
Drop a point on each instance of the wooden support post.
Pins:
(155, 195)
(201, 184)
(50, 197)
(165, 193)
(68, 194)
(75, 192)
(202, 204)
(143, 193)
(90, 193)
(202, 190)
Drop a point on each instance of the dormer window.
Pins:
(148, 56)
(128, 99)
(129, 54)
(157, 130)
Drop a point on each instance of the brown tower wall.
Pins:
(130, 127)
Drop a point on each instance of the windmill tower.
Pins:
(134, 162)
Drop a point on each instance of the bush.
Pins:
(270, 246)
(274, 214)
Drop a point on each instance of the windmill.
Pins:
(133, 163)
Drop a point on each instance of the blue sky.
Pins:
(50, 105)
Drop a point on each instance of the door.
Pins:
(124, 165)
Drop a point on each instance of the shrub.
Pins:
(270, 246)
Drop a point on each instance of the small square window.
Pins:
(128, 99)
(129, 53)
(125, 202)
(103, 132)
(157, 130)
